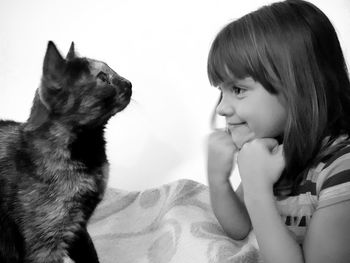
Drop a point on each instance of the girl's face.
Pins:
(251, 111)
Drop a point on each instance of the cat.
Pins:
(53, 167)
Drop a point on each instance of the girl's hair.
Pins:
(292, 49)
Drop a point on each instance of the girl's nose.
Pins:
(225, 107)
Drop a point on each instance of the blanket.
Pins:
(171, 223)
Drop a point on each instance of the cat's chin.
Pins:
(120, 105)
(102, 120)
(118, 109)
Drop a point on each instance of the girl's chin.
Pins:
(239, 142)
(240, 135)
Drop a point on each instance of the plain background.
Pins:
(161, 47)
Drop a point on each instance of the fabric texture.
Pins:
(171, 223)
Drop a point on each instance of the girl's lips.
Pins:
(236, 124)
(238, 127)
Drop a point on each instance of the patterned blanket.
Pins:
(172, 223)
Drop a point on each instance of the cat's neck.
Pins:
(53, 138)
(56, 143)
(43, 123)
(88, 147)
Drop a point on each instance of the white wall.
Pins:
(161, 46)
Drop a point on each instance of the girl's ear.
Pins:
(214, 115)
(54, 63)
(71, 52)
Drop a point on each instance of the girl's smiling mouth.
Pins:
(236, 124)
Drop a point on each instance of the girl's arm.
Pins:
(227, 206)
(275, 242)
(229, 209)
(260, 164)
(328, 235)
(327, 239)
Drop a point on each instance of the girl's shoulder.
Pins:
(332, 175)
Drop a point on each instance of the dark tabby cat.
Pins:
(53, 168)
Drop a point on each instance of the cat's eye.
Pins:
(103, 76)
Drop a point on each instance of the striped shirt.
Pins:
(326, 184)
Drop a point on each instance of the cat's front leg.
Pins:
(82, 250)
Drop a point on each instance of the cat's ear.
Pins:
(54, 63)
(71, 52)
(53, 73)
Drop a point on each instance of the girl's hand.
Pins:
(260, 164)
(221, 150)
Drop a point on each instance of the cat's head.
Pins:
(79, 91)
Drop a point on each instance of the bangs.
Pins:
(227, 59)
(239, 51)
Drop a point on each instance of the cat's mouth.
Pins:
(121, 100)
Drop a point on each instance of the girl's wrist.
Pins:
(218, 181)
(257, 196)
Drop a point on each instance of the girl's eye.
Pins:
(102, 76)
(238, 91)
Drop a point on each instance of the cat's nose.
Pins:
(122, 83)
(127, 84)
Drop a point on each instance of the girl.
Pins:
(285, 95)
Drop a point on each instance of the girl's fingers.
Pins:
(271, 144)
(278, 149)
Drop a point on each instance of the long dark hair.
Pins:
(292, 49)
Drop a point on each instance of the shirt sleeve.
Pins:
(335, 186)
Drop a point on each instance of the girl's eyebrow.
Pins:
(248, 81)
